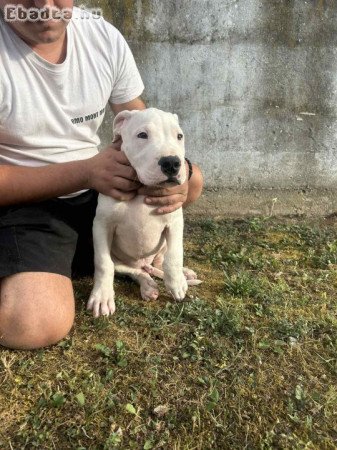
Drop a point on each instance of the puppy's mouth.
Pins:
(171, 181)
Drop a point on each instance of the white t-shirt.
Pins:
(50, 113)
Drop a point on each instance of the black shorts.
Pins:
(52, 236)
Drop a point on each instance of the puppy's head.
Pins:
(154, 144)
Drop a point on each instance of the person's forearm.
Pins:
(30, 184)
(195, 186)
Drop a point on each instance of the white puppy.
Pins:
(129, 239)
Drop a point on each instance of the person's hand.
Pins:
(168, 199)
(110, 173)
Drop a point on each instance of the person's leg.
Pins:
(37, 246)
(36, 309)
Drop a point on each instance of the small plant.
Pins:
(242, 284)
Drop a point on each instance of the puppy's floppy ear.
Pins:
(176, 117)
(119, 122)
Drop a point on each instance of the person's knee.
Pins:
(36, 310)
(28, 332)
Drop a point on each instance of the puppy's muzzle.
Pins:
(170, 165)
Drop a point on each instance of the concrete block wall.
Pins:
(254, 83)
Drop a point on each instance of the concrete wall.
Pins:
(253, 81)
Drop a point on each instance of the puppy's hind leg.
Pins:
(156, 268)
(157, 271)
(191, 277)
(148, 287)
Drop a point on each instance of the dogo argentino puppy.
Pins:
(128, 238)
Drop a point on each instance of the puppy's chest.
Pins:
(137, 233)
(139, 220)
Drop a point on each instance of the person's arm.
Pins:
(29, 184)
(109, 173)
(137, 103)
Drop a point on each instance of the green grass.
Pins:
(248, 362)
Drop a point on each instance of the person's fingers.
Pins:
(156, 191)
(117, 145)
(122, 196)
(168, 209)
(153, 191)
(124, 167)
(168, 200)
(122, 159)
(125, 171)
(125, 185)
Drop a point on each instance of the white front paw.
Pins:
(177, 286)
(102, 301)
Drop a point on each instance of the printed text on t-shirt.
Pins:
(88, 117)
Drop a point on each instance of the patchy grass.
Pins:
(250, 361)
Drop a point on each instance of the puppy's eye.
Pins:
(142, 135)
(180, 136)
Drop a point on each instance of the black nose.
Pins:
(170, 165)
